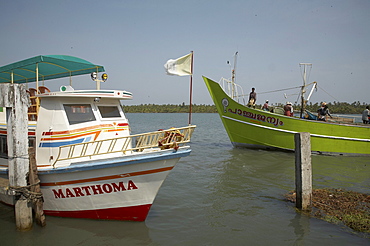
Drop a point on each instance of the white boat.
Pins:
(89, 164)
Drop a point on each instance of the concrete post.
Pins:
(303, 170)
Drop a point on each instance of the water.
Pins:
(218, 195)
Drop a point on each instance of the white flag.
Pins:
(181, 66)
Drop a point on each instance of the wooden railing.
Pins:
(159, 140)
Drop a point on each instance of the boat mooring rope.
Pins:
(25, 191)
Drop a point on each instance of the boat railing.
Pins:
(233, 90)
(151, 141)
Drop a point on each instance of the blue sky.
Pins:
(134, 39)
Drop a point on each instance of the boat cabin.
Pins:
(72, 117)
(67, 116)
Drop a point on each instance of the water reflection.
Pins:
(247, 191)
(300, 224)
(113, 230)
(68, 231)
(244, 178)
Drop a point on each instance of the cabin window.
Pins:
(109, 111)
(79, 113)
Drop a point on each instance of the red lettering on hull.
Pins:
(93, 190)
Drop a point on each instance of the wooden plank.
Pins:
(35, 189)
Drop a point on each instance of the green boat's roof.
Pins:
(49, 67)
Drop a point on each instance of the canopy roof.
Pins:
(49, 67)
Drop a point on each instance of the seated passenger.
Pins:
(266, 106)
(288, 109)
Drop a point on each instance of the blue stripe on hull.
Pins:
(58, 144)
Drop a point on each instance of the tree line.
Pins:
(335, 107)
(340, 107)
(169, 108)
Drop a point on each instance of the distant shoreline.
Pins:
(335, 108)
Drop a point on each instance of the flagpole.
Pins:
(191, 87)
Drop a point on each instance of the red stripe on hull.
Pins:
(135, 213)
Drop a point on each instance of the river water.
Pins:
(219, 195)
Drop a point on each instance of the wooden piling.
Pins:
(303, 170)
(36, 190)
(15, 99)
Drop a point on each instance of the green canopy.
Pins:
(49, 67)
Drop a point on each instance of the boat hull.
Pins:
(254, 128)
(121, 188)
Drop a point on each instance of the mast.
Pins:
(191, 87)
(303, 89)
(233, 77)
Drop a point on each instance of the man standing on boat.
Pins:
(252, 98)
(366, 115)
(323, 111)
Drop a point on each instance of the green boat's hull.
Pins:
(253, 128)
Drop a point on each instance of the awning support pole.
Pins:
(97, 81)
(37, 78)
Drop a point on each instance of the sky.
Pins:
(133, 39)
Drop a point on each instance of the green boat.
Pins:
(254, 128)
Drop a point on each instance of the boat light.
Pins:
(104, 77)
(94, 75)
(66, 88)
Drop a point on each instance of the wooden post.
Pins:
(15, 99)
(303, 170)
(36, 190)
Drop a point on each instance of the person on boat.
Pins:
(252, 98)
(288, 109)
(266, 106)
(366, 115)
(323, 112)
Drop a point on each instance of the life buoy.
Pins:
(170, 139)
